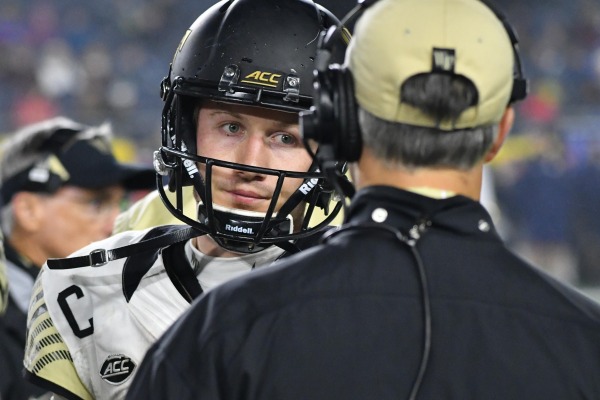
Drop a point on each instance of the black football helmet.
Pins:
(249, 52)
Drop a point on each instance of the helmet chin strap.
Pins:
(244, 224)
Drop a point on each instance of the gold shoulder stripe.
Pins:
(346, 35)
(46, 355)
(49, 358)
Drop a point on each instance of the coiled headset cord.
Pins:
(411, 241)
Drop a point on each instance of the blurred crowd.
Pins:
(548, 177)
(92, 61)
(104, 60)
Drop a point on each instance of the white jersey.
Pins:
(88, 331)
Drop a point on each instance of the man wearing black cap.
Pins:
(61, 189)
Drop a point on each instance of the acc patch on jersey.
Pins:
(117, 368)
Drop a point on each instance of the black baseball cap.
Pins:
(92, 167)
(46, 156)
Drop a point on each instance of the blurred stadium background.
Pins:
(104, 59)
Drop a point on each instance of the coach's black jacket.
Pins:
(345, 320)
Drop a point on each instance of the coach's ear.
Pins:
(28, 211)
(504, 127)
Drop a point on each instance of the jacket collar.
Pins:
(403, 210)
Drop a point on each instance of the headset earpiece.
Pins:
(332, 121)
(346, 134)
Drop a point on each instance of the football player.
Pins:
(238, 79)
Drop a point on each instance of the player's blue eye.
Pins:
(232, 128)
(287, 139)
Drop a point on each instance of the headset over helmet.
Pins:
(249, 52)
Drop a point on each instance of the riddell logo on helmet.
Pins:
(263, 78)
(308, 186)
(239, 229)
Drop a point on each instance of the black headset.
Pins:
(333, 120)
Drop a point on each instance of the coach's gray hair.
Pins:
(412, 147)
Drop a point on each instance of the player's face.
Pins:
(76, 217)
(252, 136)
